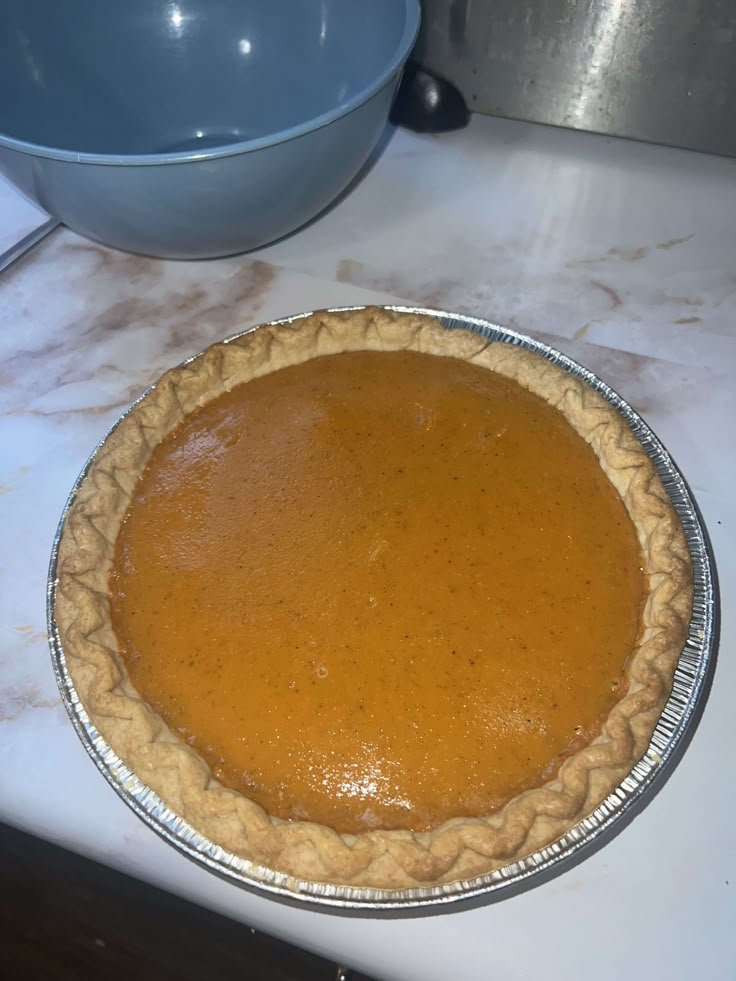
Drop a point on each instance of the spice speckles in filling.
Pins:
(378, 590)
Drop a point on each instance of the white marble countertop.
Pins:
(621, 255)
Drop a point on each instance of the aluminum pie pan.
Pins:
(693, 675)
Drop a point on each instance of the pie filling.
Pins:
(378, 590)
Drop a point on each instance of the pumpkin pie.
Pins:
(372, 602)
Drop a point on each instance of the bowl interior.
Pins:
(167, 76)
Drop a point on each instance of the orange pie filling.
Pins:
(378, 590)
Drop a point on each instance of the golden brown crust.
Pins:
(461, 848)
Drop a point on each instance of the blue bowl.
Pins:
(195, 128)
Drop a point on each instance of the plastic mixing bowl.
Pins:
(194, 128)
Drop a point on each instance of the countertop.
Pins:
(620, 254)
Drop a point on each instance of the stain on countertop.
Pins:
(17, 699)
(627, 253)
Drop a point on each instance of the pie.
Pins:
(372, 602)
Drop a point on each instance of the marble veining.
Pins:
(16, 700)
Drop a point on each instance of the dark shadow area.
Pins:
(66, 918)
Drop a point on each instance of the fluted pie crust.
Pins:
(462, 847)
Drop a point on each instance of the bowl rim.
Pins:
(394, 65)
